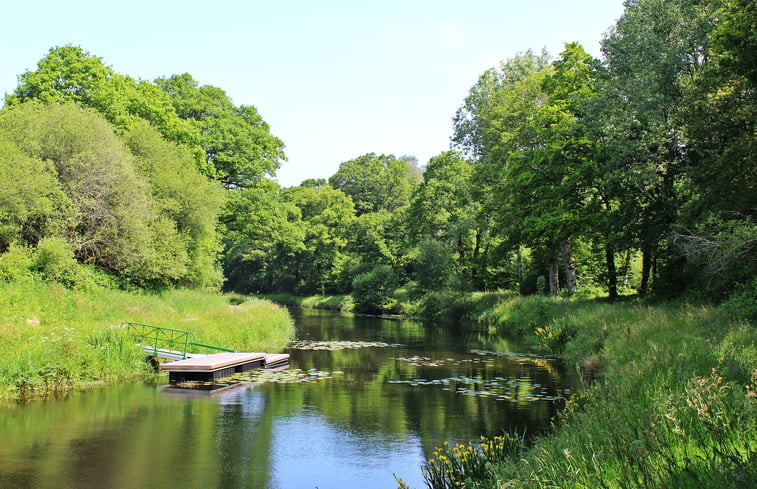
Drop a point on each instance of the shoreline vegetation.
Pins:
(667, 395)
(56, 340)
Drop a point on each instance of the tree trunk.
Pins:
(519, 259)
(570, 266)
(474, 261)
(612, 277)
(646, 267)
(554, 277)
(627, 270)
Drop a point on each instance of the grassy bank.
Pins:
(56, 339)
(331, 302)
(668, 400)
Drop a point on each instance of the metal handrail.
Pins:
(159, 337)
(201, 345)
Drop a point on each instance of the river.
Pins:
(367, 398)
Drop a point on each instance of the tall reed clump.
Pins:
(668, 398)
(56, 339)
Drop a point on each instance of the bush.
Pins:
(742, 304)
(16, 263)
(373, 292)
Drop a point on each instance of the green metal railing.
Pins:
(158, 338)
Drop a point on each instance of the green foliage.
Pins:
(32, 202)
(435, 267)
(16, 263)
(119, 203)
(373, 292)
(70, 74)
(742, 303)
(188, 203)
(375, 182)
(236, 140)
(55, 260)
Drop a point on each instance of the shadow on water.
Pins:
(364, 398)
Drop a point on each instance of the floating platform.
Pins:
(212, 368)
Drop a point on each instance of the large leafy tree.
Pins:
(655, 51)
(472, 123)
(720, 117)
(316, 266)
(116, 204)
(189, 201)
(69, 73)
(556, 183)
(262, 232)
(236, 140)
(375, 182)
(443, 210)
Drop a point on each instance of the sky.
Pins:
(333, 79)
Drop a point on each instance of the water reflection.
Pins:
(384, 413)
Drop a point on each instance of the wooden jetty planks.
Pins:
(220, 365)
(213, 362)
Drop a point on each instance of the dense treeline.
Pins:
(630, 173)
(633, 173)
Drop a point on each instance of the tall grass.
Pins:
(55, 339)
(668, 398)
(332, 302)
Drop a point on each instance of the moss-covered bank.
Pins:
(56, 339)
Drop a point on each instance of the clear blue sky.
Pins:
(334, 79)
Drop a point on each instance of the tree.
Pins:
(120, 214)
(32, 203)
(720, 116)
(374, 182)
(316, 266)
(70, 74)
(505, 131)
(190, 201)
(442, 209)
(261, 229)
(656, 49)
(471, 123)
(236, 140)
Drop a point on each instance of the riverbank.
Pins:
(667, 396)
(342, 303)
(667, 400)
(56, 339)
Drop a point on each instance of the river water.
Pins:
(366, 398)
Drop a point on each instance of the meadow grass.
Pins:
(333, 302)
(668, 399)
(55, 339)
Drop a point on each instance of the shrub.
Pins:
(16, 263)
(373, 292)
(742, 304)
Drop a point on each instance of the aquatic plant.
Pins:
(453, 467)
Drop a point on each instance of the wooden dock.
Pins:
(212, 368)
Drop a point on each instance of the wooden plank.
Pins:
(273, 360)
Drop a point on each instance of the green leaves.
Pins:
(119, 204)
(375, 182)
